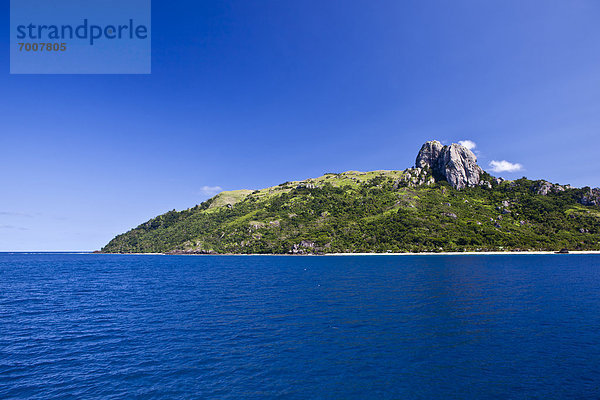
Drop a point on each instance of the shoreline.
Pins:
(471, 253)
(456, 253)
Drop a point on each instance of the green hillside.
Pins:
(378, 211)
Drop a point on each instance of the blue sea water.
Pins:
(90, 326)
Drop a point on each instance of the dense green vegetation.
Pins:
(373, 212)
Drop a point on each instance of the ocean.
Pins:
(94, 326)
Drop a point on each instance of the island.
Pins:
(445, 203)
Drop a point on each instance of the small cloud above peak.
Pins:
(210, 190)
(505, 166)
(469, 144)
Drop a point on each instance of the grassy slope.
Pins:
(370, 212)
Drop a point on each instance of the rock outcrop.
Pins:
(591, 197)
(544, 187)
(455, 164)
(429, 154)
(416, 177)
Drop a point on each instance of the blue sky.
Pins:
(251, 94)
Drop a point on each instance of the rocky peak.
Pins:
(429, 154)
(455, 164)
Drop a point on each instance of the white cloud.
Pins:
(210, 190)
(469, 144)
(505, 166)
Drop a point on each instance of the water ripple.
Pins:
(155, 327)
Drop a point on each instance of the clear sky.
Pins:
(249, 94)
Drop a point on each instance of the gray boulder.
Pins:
(455, 164)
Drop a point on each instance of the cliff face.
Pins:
(455, 164)
(429, 154)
